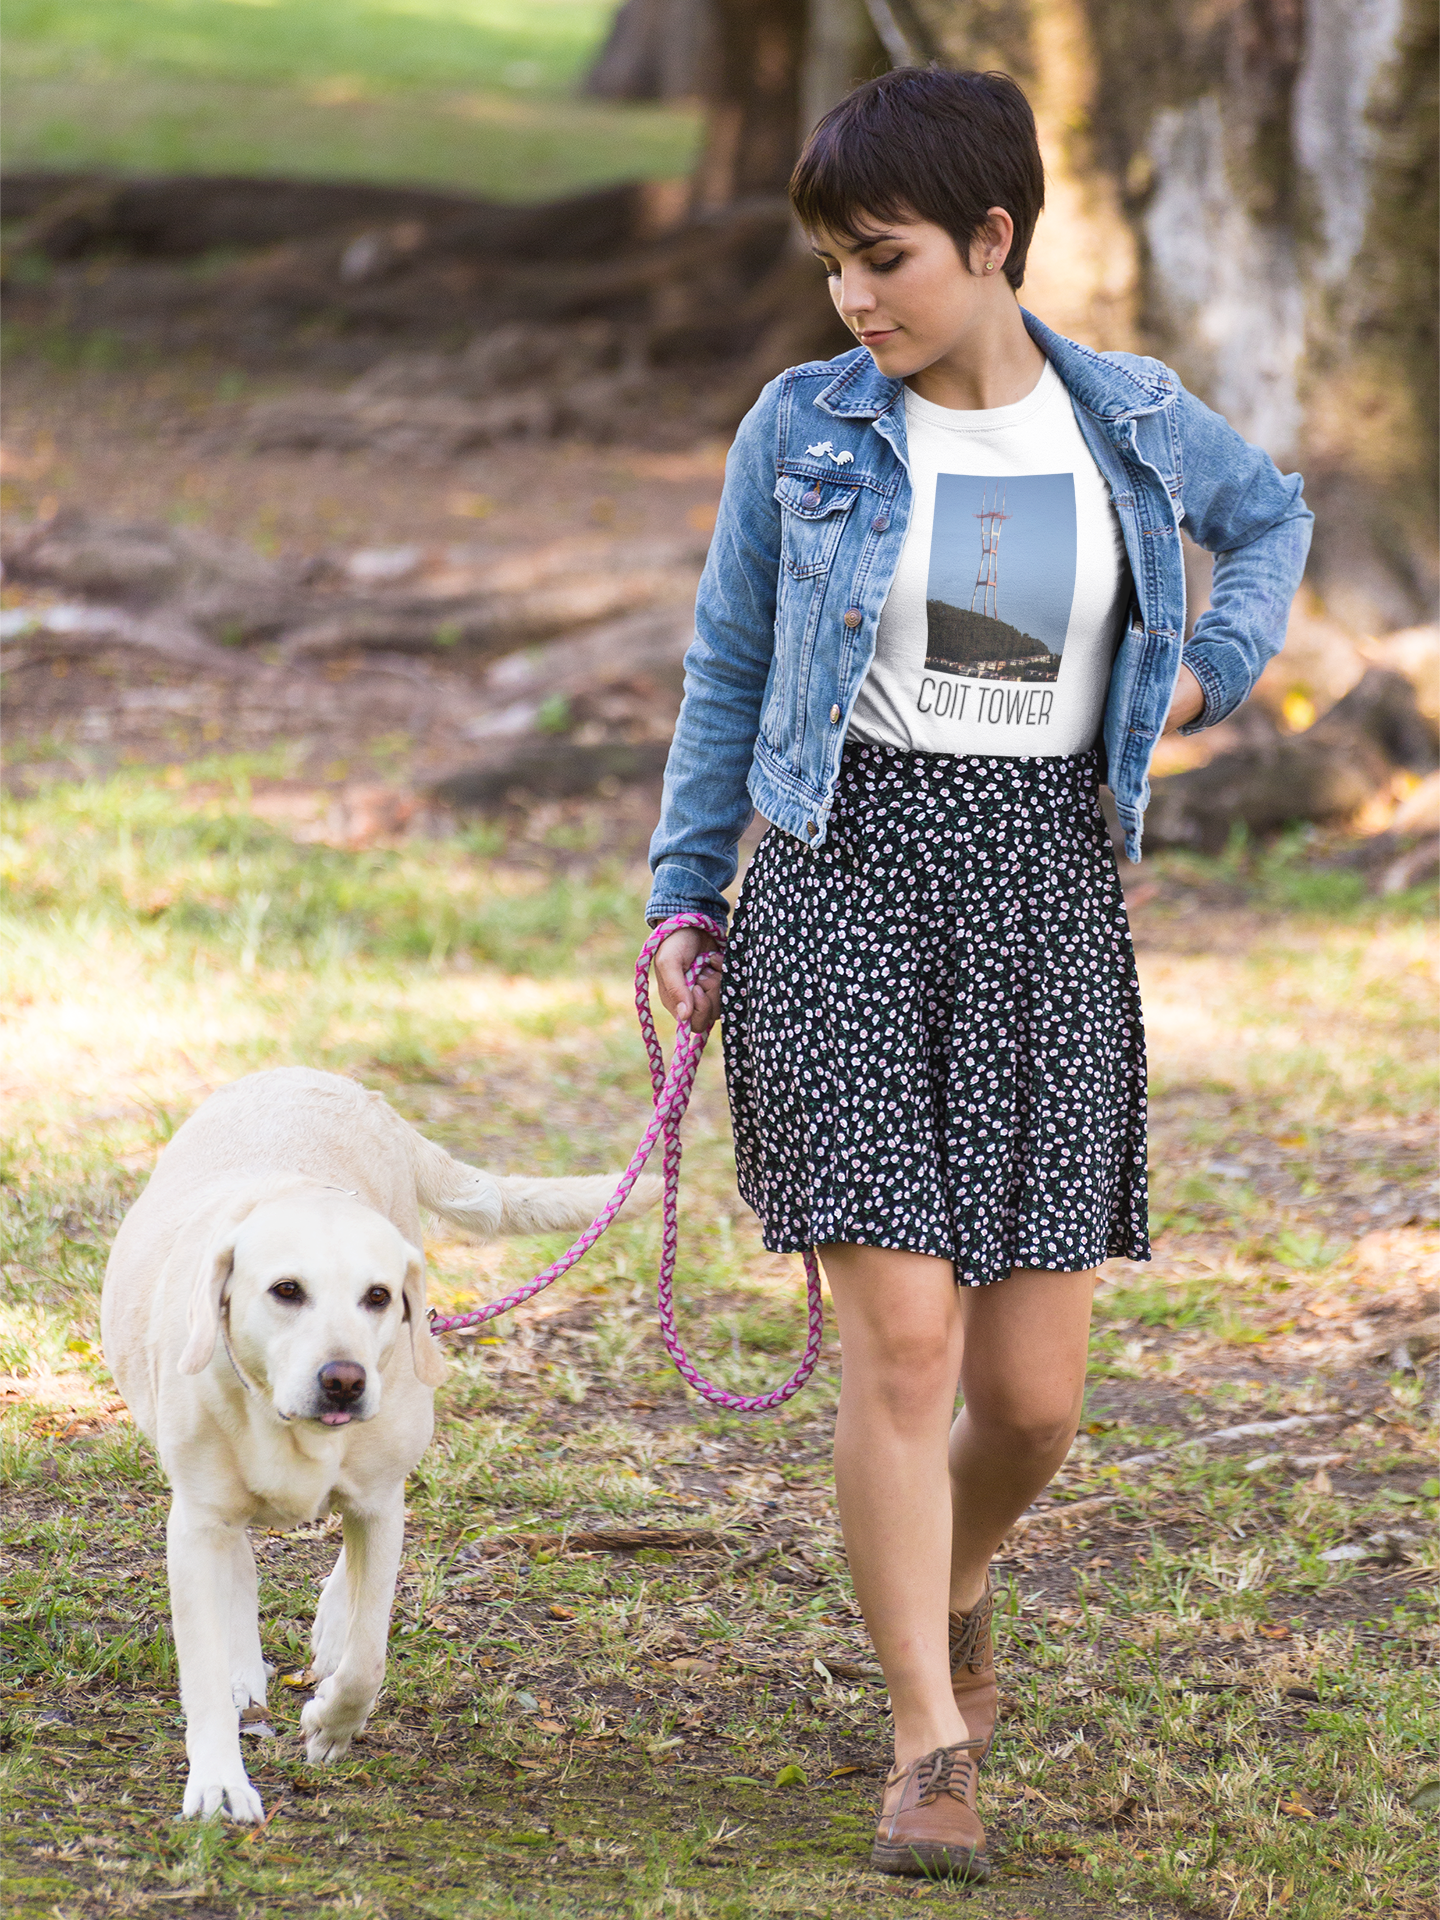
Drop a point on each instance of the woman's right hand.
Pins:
(700, 1004)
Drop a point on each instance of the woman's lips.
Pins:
(871, 334)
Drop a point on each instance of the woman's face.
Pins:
(906, 294)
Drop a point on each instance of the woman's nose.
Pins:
(855, 296)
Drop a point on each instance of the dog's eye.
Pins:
(288, 1290)
(378, 1297)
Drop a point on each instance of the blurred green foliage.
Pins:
(464, 93)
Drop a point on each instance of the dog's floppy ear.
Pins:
(206, 1291)
(431, 1368)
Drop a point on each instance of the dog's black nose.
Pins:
(342, 1382)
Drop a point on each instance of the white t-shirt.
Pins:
(1002, 621)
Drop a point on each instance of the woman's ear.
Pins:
(206, 1292)
(991, 246)
(431, 1367)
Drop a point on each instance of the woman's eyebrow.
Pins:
(860, 246)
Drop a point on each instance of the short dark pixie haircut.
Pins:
(925, 143)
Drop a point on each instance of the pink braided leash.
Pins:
(672, 1096)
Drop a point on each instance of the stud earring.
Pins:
(989, 266)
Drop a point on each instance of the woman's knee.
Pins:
(908, 1373)
(901, 1332)
(1036, 1430)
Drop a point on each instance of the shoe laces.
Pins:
(967, 1630)
(938, 1772)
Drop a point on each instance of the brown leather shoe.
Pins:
(972, 1669)
(928, 1823)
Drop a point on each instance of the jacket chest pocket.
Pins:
(812, 517)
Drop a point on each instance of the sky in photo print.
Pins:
(1036, 554)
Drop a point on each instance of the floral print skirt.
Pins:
(932, 1024)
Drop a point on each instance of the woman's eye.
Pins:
(288, 1290)
(378, 1297)
(887, 266)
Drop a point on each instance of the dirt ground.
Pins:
(152, 447)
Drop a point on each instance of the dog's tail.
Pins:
(490, 1204)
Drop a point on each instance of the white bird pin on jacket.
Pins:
(827, 446)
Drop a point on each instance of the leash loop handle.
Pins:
(672, 1088)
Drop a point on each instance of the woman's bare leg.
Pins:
(920, 1531)
(901, 1340)
(1023, 1377)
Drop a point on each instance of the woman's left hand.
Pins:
(1187, 703)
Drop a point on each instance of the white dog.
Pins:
(264, 1316)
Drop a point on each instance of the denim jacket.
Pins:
(812, 520)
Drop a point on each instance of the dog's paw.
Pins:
(220, 1787)
(330, 1723)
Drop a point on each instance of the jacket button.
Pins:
(853, 617)
(834, 715)
(880, 523)
(811, 499)
(811, 828)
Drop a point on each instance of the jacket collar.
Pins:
(1108, 388)
(861, 391)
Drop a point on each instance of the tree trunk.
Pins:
(841, 49)
(1248, 189)
(656, 50)
(753, 99)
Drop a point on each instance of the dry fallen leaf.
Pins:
(850, 1670)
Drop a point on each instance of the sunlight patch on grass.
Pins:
(1336, 1017)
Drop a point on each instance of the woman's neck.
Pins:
(993, 362)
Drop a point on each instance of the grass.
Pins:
(466, 93)
(1202, 1714)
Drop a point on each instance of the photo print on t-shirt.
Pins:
(1002, 575)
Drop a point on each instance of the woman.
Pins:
(944, 598)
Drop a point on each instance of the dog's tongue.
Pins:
(334, 1419)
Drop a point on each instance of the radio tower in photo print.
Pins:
(987, 579)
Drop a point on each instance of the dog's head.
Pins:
(312, 1294)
